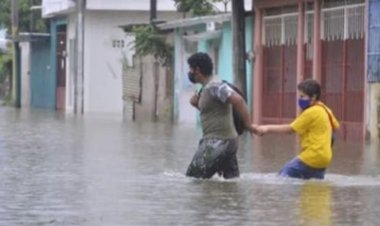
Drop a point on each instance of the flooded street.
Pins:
(99, 170)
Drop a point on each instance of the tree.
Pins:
(238, 29)
(149, 41)
(29, 21)
(153, 10)
(198, 7)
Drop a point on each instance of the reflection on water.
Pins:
(315, 204)
(98, 170)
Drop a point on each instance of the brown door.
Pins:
(61, 68)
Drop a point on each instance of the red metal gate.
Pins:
(280, 65)
(279, 84)
(343, 76)
(343, 83)
(343, 73)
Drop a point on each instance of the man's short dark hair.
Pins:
(311, 88)
(202, 61)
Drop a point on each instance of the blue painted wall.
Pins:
(225, 67)
(249, 47)
(41, 80)
(178, 40)
(374, 41)
(44, 69)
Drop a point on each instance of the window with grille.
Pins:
(280, 26)
(344, 21)
(309, 32)
(338, 3)
(341, 20)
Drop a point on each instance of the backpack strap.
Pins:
(329, 114)
(331, 123)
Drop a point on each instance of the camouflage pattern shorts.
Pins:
(215, 156)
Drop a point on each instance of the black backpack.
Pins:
(238, 120)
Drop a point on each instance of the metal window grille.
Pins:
(343, 22)
(309, 33)
(280, 30)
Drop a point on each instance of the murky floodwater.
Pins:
(98, 170)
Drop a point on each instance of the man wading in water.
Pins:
(217, 149)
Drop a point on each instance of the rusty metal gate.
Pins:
(279, 84)
(280, 65)
(343, 51)
(343, 73)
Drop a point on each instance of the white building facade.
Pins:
(105, 47)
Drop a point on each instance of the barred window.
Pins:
(337, 3)
(280, 26)
(345, 21)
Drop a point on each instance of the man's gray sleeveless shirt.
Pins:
(215, 112)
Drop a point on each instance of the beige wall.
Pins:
(25, 74)
(373, 112)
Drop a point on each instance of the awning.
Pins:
(204, 36)
(29, 37)
(188, 22)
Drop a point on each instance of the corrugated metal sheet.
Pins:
(132, 82)
(373, 41)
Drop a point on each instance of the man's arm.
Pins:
(194, 101)
(238, 103)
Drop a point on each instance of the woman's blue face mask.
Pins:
(304, 103)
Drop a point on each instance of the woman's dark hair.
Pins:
(201, 61)
(311, 88)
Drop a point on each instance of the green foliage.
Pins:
(197, 7)
(5, 13)
(149, 41)
(5, 66)
(28, 20)
(5, 72)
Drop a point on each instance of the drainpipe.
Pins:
(317, 51)
(258, 67)
(156, 67)
(16, 76)
(238, 32)
(300, 45)
(79, 76)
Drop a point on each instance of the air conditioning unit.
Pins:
(210, 26)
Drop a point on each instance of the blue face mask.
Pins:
(303, 103)
(191, 77)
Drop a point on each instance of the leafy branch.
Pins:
(198, 7)
(149, 41)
